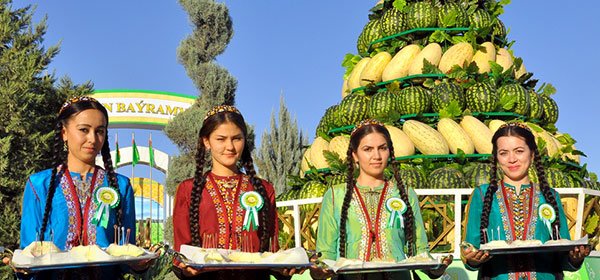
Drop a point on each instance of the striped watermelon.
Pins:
(573, 182)
(383, 105)
(480, 19)
(309, 190)
(369, 34)
(421, 14)
(556, 178)
(336, 180)
(392, 22)
(535, 105)
(353, 109)
(482, 97)
(477, 174)
(444, 93)
(414, 100)
(521, 105)
(549, 108)
(446, 178)
(327, 122)
(462, 19)
(413, 177)
(498, 29)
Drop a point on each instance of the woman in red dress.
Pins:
(208, 210)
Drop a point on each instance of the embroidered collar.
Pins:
(523, 186)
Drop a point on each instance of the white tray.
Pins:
(63, 260)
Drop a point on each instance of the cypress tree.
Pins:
(280, 151)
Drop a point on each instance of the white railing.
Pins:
(458, 213)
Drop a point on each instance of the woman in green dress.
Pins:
(517, 209)
(371, 218)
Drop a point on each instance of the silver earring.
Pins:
(65, 147)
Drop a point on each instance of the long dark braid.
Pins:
(488, 198)
(346, 204)
(197, 189)
(58, 158)
(408, 215)
(248, 165)
(112, 177)
(545, 189)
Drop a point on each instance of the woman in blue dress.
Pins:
(517, 209)
(77, 202)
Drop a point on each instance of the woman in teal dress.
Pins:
(510, 210)
(371, 218)
(63, 204)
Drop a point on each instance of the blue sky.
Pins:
(296, 47)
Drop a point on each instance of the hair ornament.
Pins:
(516, 124)
(220, 109)
(74, 100)
(364, 123)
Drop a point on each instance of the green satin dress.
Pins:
(389, 241)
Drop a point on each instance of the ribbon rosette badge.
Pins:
(396, 207)
(105, 198)
(547, 215)
(252, 202)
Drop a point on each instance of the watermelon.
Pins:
(327, 122)
(309, 190)
(392, 22)
(382, 105)
(556, 178)
(413, 177)
(444, 93)
(498, 29)
(478, 174)
(414, 100)
(480, 19)
(369, 34)
(482, 97)
(535, 105)
(461, 19)
(573, 182)
(549, 108)
(352, 109)
(521, 98)
(421, 14)
(446, 178)
(336, 180)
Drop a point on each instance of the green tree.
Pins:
(29, 102)
(212, 32)
(280, 151)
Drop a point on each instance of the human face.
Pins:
(514, 157)
(372, 155)
(226, 144)
(85, 133)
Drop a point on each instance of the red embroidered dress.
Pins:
(221, 215)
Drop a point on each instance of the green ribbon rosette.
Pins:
(396, 207)
(547, 215)
(104, 198)
(252, 202)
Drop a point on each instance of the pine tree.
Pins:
(212, 32)
(280, 151)
(29, 102)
